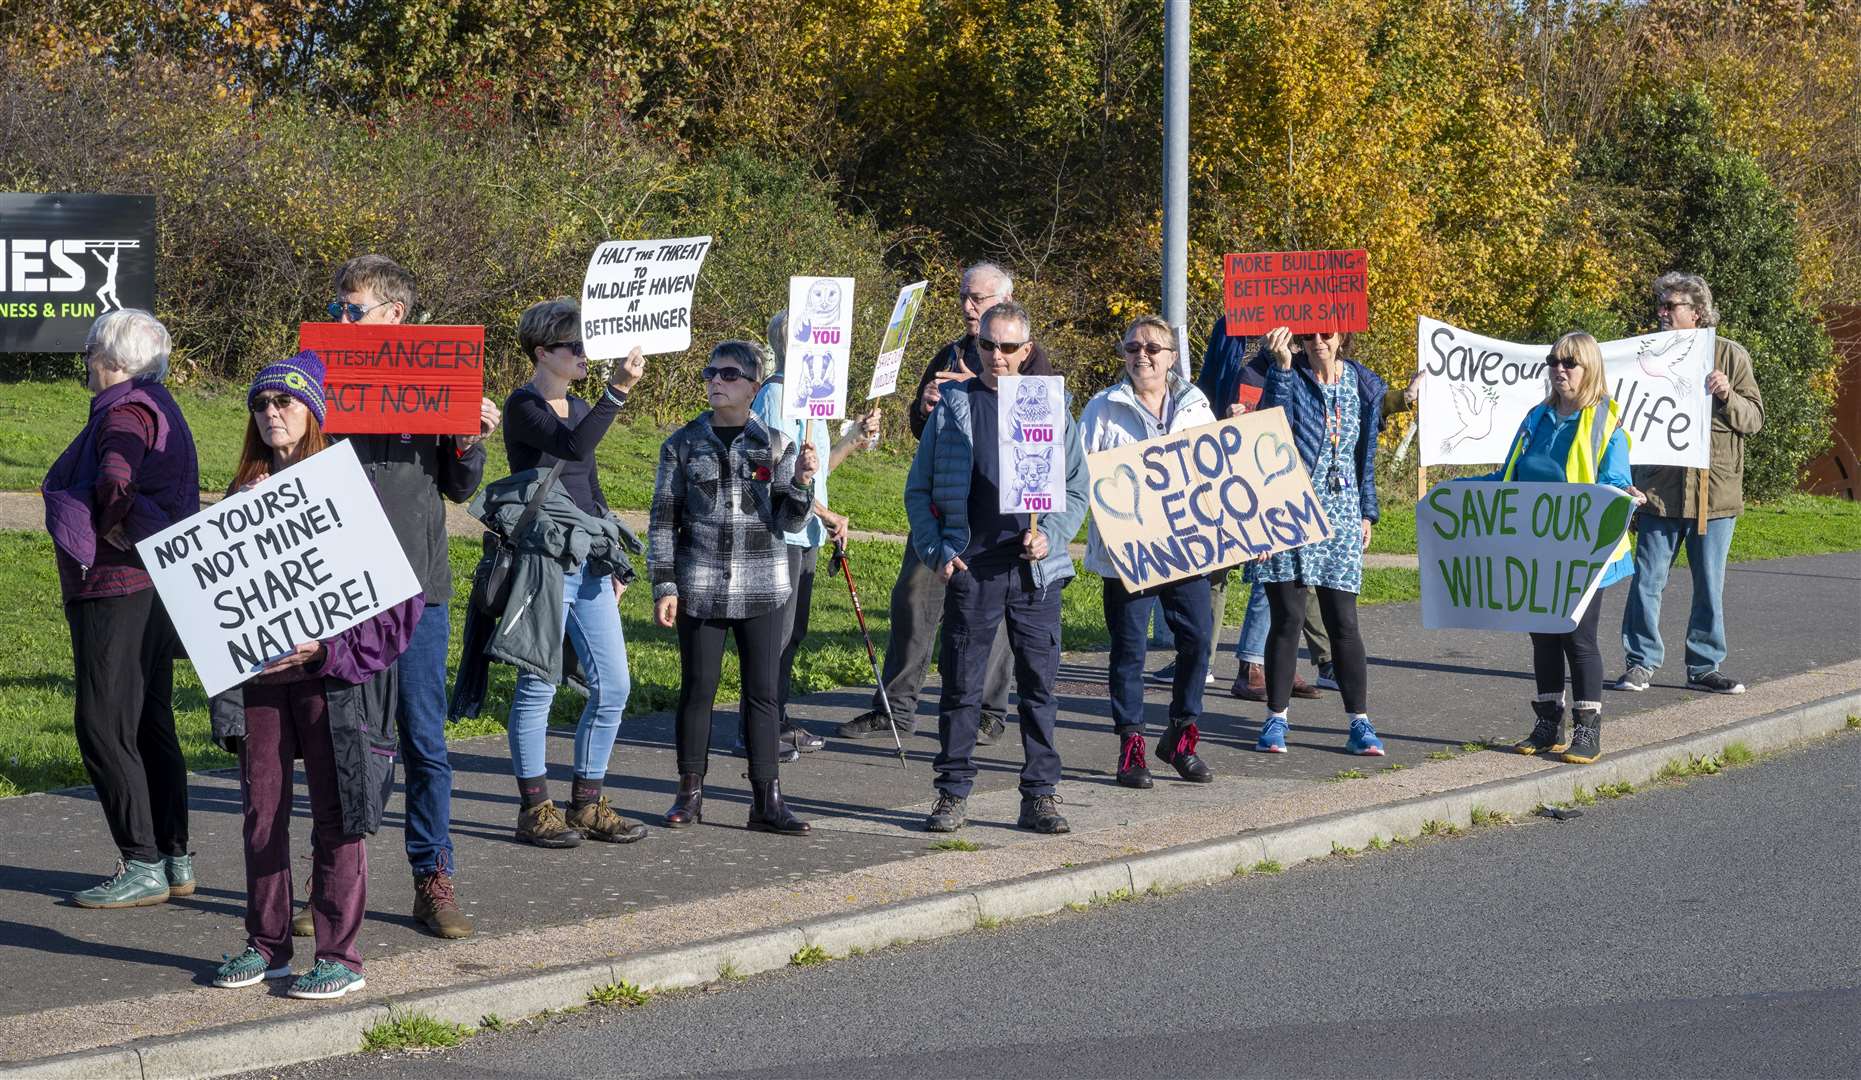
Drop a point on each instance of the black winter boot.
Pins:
(1587, 744)
(1550, 735)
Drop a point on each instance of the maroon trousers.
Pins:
(284, 721)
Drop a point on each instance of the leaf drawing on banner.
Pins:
(1280, 450)
(1476, 414)
(1665, 360)
(1127, 476)
(1613, 524)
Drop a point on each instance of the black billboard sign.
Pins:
(66, 259)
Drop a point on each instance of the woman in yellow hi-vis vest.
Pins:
(1574, 437)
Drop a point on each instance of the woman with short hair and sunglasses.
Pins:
(544, 424)
(727, 491)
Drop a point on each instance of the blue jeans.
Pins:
(1657, 545)
(593, 623)
(1252, 647)
(422, 673)
(1184, 605)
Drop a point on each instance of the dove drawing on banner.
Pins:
(1475, 410)
(1665, 360)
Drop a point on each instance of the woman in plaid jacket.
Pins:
(728, 488)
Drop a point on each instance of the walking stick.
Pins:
(840, 562)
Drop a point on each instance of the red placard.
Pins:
(399, 379)
(1309, 291)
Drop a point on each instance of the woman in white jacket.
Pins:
(1150, 401)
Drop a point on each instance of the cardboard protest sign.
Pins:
(1514, 556)
(305, 555)
(1476, 390)
(66, 259)
(402, 379)
(1030, 439)
(1185, 504)
(820, 342)
(638, 292)
(1311, 292)
(897, 332)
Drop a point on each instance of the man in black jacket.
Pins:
(917, 597)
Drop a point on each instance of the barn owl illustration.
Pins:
(1031, 406)
(1032, 468)
(822, 308)
(1476, 412)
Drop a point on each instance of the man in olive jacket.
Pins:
(1671, 513)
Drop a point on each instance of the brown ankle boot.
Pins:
(436, 908)
(688, 808)
(1252, 685)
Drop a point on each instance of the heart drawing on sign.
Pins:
(1277, 450)
(1122, 475)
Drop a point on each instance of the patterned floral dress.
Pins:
(1335, 562)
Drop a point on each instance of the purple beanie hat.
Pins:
(301, 377)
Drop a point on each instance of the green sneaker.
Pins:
(328, 979)
(180, 870)
(135, 884)
(247, 968)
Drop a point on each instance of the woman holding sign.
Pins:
(727, 491)
(1575, 436)
(1334, 407)
(1152, 400)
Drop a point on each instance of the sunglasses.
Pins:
(728, 374)
(1006, 348)
(575, 347)
(1148, 348)
(1568, 363)
(340, 308)
(265, 402)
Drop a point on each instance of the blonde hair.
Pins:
(1589, 357)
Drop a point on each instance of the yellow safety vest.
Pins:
(1586, 451)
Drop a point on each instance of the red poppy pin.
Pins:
(762, 473)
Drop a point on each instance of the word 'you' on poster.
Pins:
(403, 379)
(1310, 292)
(638, 292)
(65, 259)
(1180, 505)
(1516, 556)
(302, 556)
(820, 344)
(897, 332)
(1030, 434)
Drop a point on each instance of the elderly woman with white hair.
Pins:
(129, 474)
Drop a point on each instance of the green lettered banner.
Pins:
(1515, 556)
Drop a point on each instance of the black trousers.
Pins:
(1286, 602)
(1550, 653)
(122, 651)
(701, 658)
(802, 563)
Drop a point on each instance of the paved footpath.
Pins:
(79, 979)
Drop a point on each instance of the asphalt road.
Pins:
(1704, 929)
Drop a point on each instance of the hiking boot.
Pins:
(134, 884)
(179, 870)
(950, 814)
(301, 924)
(1177, 747)
(688, 807)
(872, 725)
(990, 729)
(328, 979)
(1272, 736)
(598, 821)
(1041, 813)
(1586, 745)
(801, 739)
(1716, 682)
(1327, 677)
(1363, 741)
(544, 826)
(768, 813)
(1635, 679)
(1252, 683)
(1133, 772)
(1550, 735)
(247, 968)
(436, 909)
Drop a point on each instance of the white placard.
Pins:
(303, 556)
(1515, 556)
(1030, 434)
(1476, 390)
(897, 332)
(820, 343)
(638, 292)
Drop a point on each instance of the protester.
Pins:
(415, 475)
(1334, 406)
(130, 473)
(997, 571)
(727, 490)
(804, 544)
(917, 596)
(330, 703)
(1575, 436)
(1670, 517)
(544, 424)
(1151, 401)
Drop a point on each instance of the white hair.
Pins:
(994, 270)
(131, 341)
(777, 338)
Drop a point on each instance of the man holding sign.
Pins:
(998, 569)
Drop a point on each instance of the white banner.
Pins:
(1515, 556)
(897, 332)
(638, 292)
(1030, 437)
(303, 556)
(820, 342)
(1476, 390)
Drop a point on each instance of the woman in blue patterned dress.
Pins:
(1333, 405)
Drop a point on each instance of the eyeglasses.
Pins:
(975, 297)
(264, 403)
(1148, 348)
(728, 374)
(575, 347)
(1568, 363)
(340, 308)
(1672, 305)
(1006, 348)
